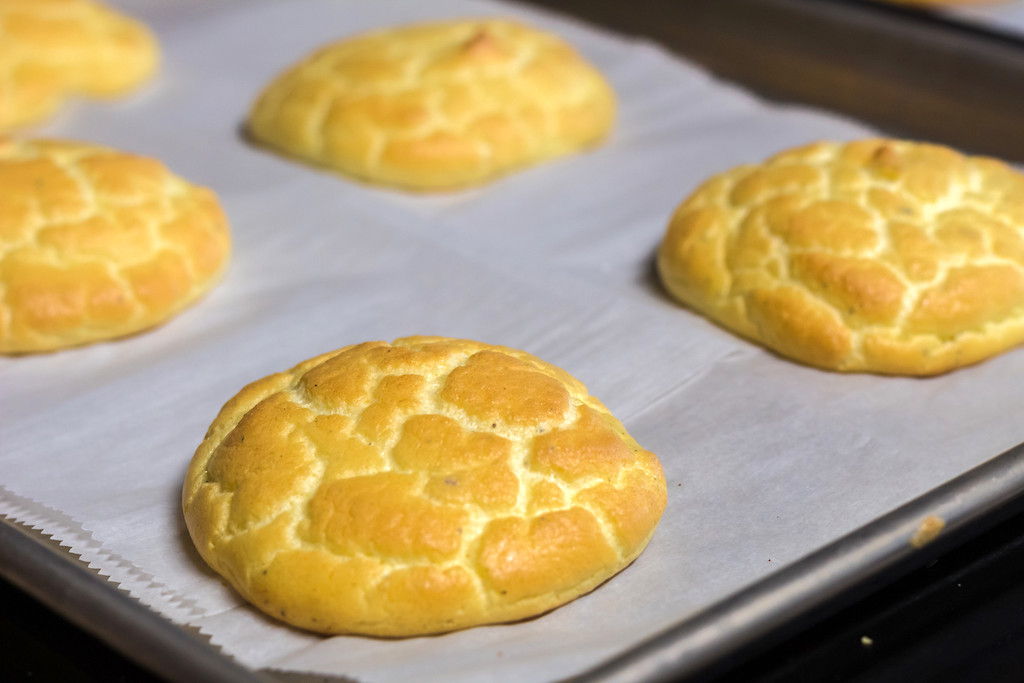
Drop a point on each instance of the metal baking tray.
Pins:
(913, 73)
(923, 76)
(811, 587)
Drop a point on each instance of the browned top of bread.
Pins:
(878, 255)
(96, 243)
(436, 106)
(417, 487)
(50, 49)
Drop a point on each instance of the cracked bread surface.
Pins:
(418, 487)
(96, 243)
(438, 105)
(52, 49)
(882, 256)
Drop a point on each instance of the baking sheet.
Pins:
(765, 460)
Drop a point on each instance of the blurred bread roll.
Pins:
(436, 106)
(96, 244)
(418, 487)
(879, 256)
(53, 49)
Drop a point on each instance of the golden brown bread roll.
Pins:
(436, 106)
(879, 255)
(50, 49)
(418, 487)
(96, 243)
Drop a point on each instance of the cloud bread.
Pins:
(436, 106)
(50, 49)
(96, 243)
(878, 255)
(418, 487)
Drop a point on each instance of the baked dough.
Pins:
(418, 487)
(50, 49)
(436, 106)
(879, 255)
(95, 244)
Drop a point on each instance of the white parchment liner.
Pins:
(766, 460)
(1001, 15)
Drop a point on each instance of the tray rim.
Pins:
(37, 564)
(967, 504)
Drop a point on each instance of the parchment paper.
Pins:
(766, 460)
(1007, 17)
